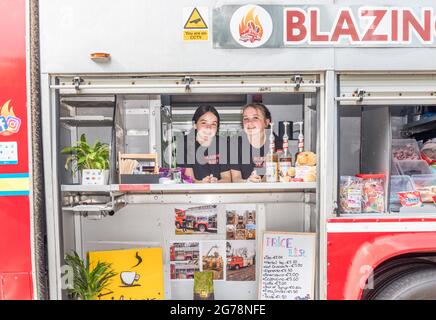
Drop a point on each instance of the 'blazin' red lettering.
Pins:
(381, 25)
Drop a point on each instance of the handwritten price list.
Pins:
(287, 267)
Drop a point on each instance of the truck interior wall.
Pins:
(349, 140)
(376, 140)
(398, 120)
(65, 139)
(152, 225)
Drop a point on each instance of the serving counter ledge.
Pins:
(192, 188)
(111, 198)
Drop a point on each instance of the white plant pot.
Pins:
(95, 177)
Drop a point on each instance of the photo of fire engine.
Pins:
(241, 260)
(184, 260)
(212, 256)
(241, 223)
(196, 220)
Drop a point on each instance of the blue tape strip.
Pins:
(14, 175)
(13, 193)
(8, 162)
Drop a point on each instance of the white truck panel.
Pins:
(146, 37)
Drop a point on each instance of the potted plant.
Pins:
(91, 160)
(88, 284)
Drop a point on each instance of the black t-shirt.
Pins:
(204, 161)
(248, 158)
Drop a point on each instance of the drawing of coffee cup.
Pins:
(129, 277)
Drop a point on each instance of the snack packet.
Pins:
(410, 199)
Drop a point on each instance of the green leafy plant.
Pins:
(87, 156)
(88, 284)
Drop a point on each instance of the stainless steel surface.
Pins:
(49, 134)
(327, 173)
(92, 189)
(201, 187)
(201, 85)
(350, 124)
(88, 121)
(376, 143)
(387, 89)
(214, 198)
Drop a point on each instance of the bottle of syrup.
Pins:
(271, 160)
(300, 141)
(285, 159)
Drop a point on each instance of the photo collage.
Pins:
(241, 243)
(187, 257)
(229, 259)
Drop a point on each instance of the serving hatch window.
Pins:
(387, 149)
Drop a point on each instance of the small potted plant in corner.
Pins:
(91, 160)
(88, 284)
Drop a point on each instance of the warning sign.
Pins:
(195, 24)
(195, 21)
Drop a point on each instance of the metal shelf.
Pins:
(89, 102)
(89, 189)
(88, 121)
(110, 200)
(421, 126)
(426, 211)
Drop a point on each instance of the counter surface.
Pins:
(193, 188)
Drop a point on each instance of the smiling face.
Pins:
(254, 122)
(206, 126)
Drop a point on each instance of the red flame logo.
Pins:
(250, 28)
(6, 112)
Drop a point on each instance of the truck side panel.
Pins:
(356, 248)
(15, 235)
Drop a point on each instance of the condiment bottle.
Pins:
(300, 140)
(285, 159)
(271, 161)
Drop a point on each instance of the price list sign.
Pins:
(288, 266)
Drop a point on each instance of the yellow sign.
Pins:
(195, 21)
(139, 274)
(195, 35)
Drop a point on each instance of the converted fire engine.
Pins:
(358, 76)
(198, 219)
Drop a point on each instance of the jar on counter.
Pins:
(350, 194)
(373, 192)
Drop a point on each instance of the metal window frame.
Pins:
(49, 136)
(54, 85)
(208, 84)
(391, 89)
(328, 166)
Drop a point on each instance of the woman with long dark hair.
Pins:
(202, 158)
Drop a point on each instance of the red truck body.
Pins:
(15, 220)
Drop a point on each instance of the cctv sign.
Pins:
(323, 26)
